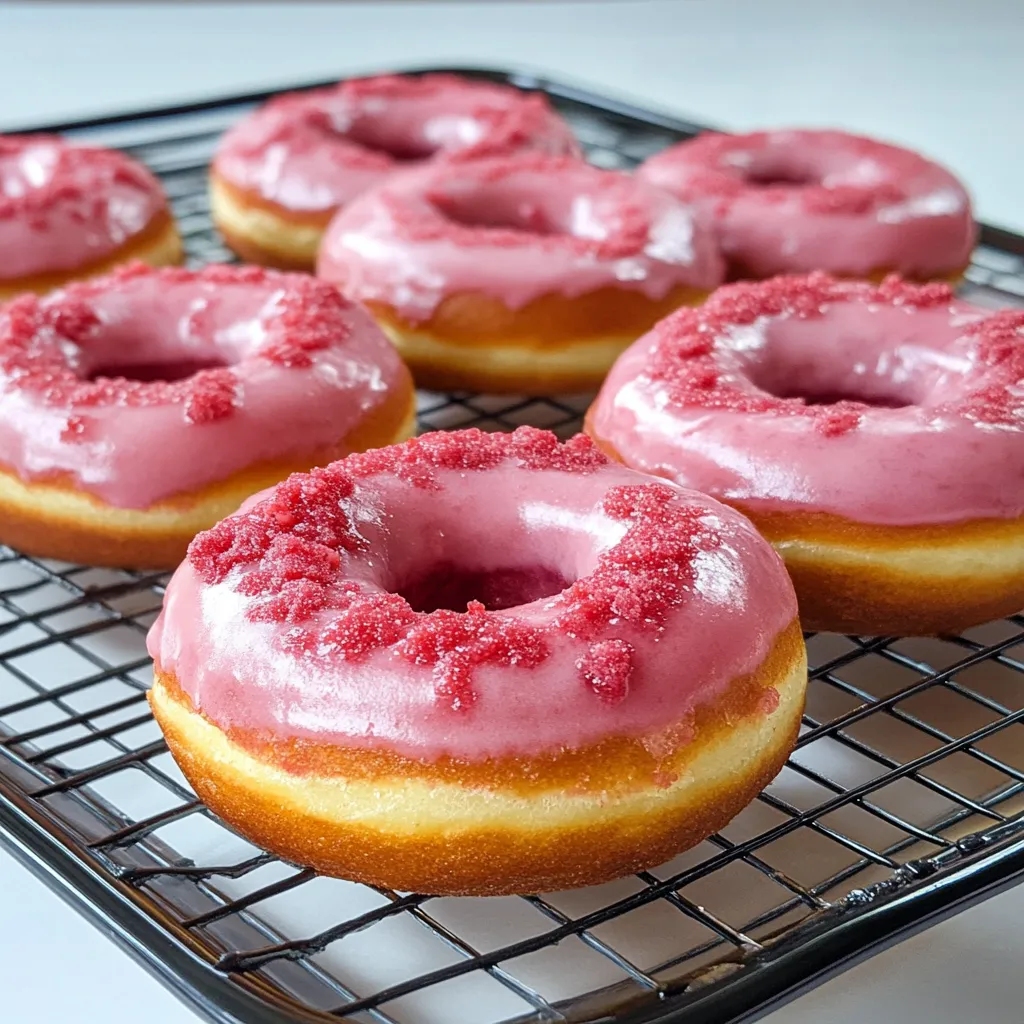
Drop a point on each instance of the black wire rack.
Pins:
(903, 802)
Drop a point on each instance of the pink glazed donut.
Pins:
(875, 434)
(356, 676)
(527, 274)
(281, 173)
(68, 212)
(139, 408)
(793, 201)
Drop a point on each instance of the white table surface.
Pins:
(942, 76)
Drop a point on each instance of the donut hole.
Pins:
(496, 536)
(811, 397)
(149, 372)
(403, 146)
(489, 209)
(879, 358)
(779, 169)
(408, 138)
(453, 587)
(774, 177)
(162, 332)
(827, 384)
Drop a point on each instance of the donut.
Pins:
(281, 173)
(873, 433)
(139, 408)
(791, 202)
(69, 212)
(527, 274)
(353, 674)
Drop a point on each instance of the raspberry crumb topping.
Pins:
(998, 346)
(455, 643)
(74, 429)
(686, 356)
(289, 555)
(416, 460)
(212, 395)
(645, 575)
(607, 668)
(311, 317)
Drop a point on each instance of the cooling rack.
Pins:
(903, 802)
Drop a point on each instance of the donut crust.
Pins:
(264, 232)
(553, 344)
(55, 519)
(515, 825)
(905, 580)
(158, 244)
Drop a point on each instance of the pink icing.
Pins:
(149, 383)
(289, 617)
(315, 151)
(514, 229)
(64, 206)
(895, 405)
(796, 201)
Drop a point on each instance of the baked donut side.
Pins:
(354, 675)
(524, 826)
(139, 408)
(791, 201)
(907, 581)
(260, 231)
(527, 274)
(89, 211)
(871, 432)
(281, 173)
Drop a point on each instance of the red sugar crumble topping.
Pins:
(684, 359)
(286, 553)
(312, 316)
(417, 459)
(998, 346)
(648, 573)
(38, 336)
(455, 643)
(74, 429)
(607, 668)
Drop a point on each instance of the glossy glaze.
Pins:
(515, 229)
(290, 367)
(934, 434)
(315, 151)
(796, 201)
(64, 206)
(728, 602)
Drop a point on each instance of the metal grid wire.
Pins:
(910, 759)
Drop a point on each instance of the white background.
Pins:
(943, 76)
